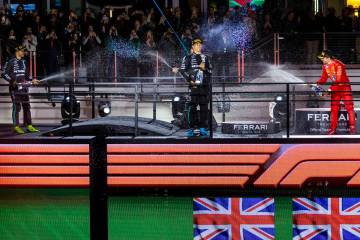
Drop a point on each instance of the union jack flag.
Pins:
(326, 218)
(234, 218)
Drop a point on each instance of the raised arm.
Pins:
(208, 66)
(323, 77)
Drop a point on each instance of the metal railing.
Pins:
(233, 105)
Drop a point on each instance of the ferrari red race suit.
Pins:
(340, 90)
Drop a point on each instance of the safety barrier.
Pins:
(44, 165)
(188, 165)
(117, 167)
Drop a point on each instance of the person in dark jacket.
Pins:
(16, 73)
(196, 69)
(52, 46)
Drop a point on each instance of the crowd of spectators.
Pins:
(306, 28)
(57, 35)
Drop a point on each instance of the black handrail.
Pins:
(147, 96)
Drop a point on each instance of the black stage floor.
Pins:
(7, 133)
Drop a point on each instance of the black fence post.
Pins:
(71, 92)
(136, 127)
(155, 98)
(223, 101)
(92, 98)
(98, 190)
(287, 110)
(210, 120)
(1, 53)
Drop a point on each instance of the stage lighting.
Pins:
(66, 108)
(278, 110)
(279, 98)
(104, 108)
(178, 106)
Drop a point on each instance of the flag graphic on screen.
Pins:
(234, 218)
(326, 218)
(240, 3)
(234, 3)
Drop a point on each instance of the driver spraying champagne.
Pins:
(340, 89)
(16, 73)
(196, 69)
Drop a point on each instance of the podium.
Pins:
(316, 121)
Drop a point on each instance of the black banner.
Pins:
(315, 121)
(250, 127)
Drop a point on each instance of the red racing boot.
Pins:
(352, 130)
(332, 132)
